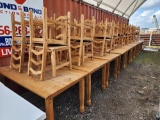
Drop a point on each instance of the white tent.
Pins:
(124, 8)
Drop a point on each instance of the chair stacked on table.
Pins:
(82, 36)
(18, 42)
(60, 42)
(103, 37)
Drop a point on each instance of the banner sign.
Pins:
(8, 7)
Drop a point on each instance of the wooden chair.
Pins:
(55, 37)
(115, 41)
(131, 33)
(125, 37)
(102, 38)
(137, 33)
(82, 35)
(120, 35)
(18, 42)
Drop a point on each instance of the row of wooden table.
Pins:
(66, 78)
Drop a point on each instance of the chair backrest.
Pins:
(108, 28)
(83, 28)
(60, 30)
(103, 29)
(123, 29)
(115, 28)
(18, 41)
(55, 30)
(89, 27)
(21, 26)
(38, 24)
(99, 29)
(119, 28)
(74, 28)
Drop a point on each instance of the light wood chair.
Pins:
(115, 41)
(82, 35)
(137, 33)
(18, 42)
(120, 35)
(102, 38)
(131, 33)
(125, 37)
(55, 37)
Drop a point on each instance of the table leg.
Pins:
(131, 55)
(137, 50)
(88, 89)
(103, 77)
(107, 73)
(125, 59)
(49, 108)
(81, 95)
(119, 64)
(123, 64)
(134, 52)
(115, 67)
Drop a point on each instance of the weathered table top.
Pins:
(126, 48)
(108, 56)
(133, 44)
(121, 50)
(91, 66)
(50, 87)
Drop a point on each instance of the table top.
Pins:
(108, 56)
(126, 48)
(91, 66)
(133, 44)
(121, 50)
(14, 107)
(50, 87)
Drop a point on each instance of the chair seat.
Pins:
(102, 36)
(52, 46)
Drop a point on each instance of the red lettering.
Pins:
(19, 8)
(4, 52)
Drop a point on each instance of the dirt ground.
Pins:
(133, 95)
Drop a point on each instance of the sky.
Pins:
(143, 17)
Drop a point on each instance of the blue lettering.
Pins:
(25, 9)
(37, 11)
(5, 5)
(13, 7)
(8, 6)
(1, 5)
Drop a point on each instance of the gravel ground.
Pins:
(133, 95)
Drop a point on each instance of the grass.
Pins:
(148, 57)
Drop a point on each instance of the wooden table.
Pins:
(50, 87)
(122, 51)
(134, 45)
(137, 46)
(111, 57)
(90, 66)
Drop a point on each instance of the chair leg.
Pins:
(83, 54)
(102, 51)
(80, 52)
(92, 51)
(70, 59)
(53, 62)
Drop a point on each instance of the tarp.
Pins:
(124, 8)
